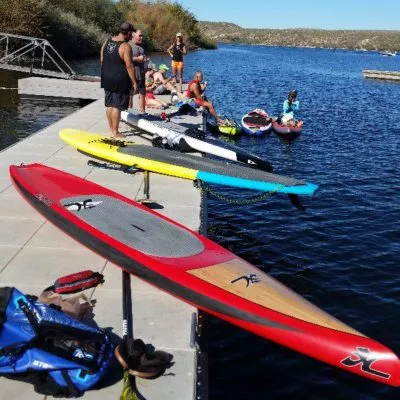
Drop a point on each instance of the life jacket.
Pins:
(42, 345)
(189, 93)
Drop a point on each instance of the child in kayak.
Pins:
(290, 106)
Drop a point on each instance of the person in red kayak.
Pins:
(195, 92)
(290, 106)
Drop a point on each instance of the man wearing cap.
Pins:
(163, 84)
(117, 75)
(177, 50)
(139, 62)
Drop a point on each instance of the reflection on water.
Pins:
(20, 117)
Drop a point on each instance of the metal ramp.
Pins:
(32, 55)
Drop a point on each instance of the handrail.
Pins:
(33, 43)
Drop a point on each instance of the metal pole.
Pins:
(146, 189)
(33, 59)
(204, 114)
(43, 53)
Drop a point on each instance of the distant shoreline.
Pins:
(224, 32)
(294, 47)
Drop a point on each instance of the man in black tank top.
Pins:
(117, 75)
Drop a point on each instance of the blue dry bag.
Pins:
(40, 344)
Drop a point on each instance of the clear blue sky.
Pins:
(323, 14)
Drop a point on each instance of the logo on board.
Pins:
(364, 358)
(82, 205)
(249, 279)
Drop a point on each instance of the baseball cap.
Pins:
(164, 67)
(179, 34)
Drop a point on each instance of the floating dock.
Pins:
(382, 75)
(33, 253)
(79, 88)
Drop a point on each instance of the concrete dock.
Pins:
(60, 88)
(33, 253)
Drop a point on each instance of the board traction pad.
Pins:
(133, 226)
(207, 165)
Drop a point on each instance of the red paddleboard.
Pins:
(198, 271)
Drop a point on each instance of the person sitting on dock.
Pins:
(163, 84)
(151, 99)
(117, 75)
(290, 106)
(195, 92)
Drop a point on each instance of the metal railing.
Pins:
(32, 55)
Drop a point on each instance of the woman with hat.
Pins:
(177, 50)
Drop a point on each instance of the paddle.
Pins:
(129, 390)
(294, 199)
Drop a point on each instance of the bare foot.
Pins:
(220, 121)
(117, 136)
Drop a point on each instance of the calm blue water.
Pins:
(342, 253)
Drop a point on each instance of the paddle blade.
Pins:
(128, 389)
(294, 199)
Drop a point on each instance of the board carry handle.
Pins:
(77, 282)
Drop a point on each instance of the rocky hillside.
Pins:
(224, 32)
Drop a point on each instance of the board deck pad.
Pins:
(257, 120)
(207, 165)
(133, 227)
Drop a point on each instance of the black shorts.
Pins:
(141, 85)
(116, 100)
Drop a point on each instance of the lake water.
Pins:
(342, 252)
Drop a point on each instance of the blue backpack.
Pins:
(42, 345)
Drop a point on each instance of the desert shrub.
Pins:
(22, 17)
(72, 36)
(102, 13)
(161, 20)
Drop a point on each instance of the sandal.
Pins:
(151, 365)
(134, 358)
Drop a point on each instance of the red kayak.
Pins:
(286, 131)
(198, 271)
